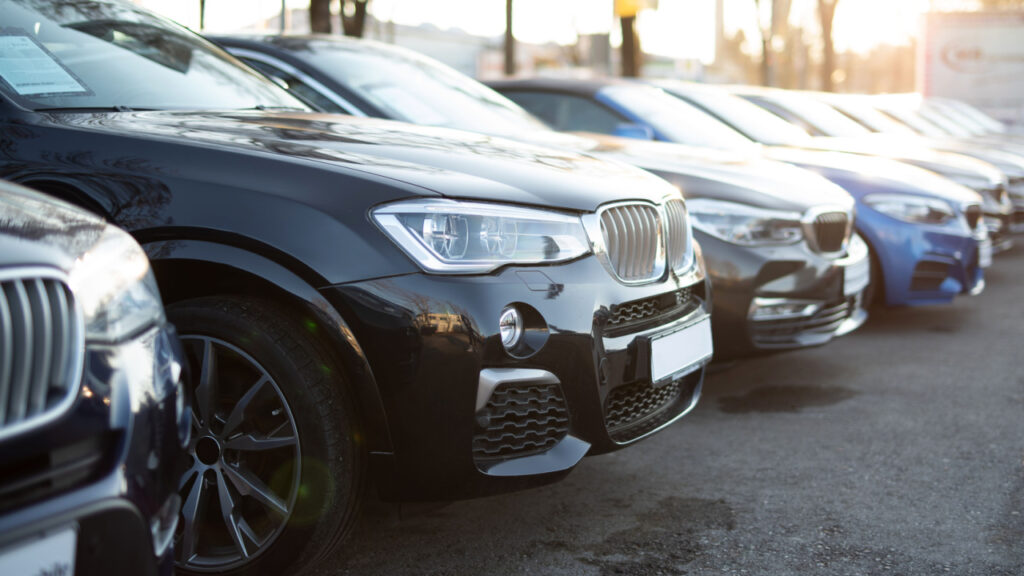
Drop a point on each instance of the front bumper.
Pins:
(468, 418)
(780, 297)
(108, 468)
(923, 264)
(1000, 227)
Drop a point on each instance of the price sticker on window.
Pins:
(30, 70)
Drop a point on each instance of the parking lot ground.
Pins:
(898, 449)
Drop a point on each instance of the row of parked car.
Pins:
(379, 272)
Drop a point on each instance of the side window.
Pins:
(296, 86)
(568, 113)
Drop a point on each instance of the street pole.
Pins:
(510, 41)
(283, 11)
(630, 47)
(202, 14)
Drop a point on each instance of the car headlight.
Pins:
(115, 287)
(450, 237)
(909, 208)
(745, 224)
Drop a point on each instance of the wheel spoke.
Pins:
(205, 392)
(192, 512)
(227, 511)
(243, 525)
(250, 443)
(189, 474)
(238, 412)
(249, 485)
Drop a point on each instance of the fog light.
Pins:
(510, 326)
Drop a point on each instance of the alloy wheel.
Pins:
(240, 489)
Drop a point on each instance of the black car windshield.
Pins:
(676, 120)
(79, 54)
(753, 121)
(407, 86)
(825, 119)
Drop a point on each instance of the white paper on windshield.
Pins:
(32, 71)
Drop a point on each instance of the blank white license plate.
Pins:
(985, 253)
(680, 351)
(50, 554)
(856, 276)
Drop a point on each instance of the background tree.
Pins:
(353, 16)
(774, 27)
(827, 14)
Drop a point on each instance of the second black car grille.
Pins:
(633, 410)
(783, 332)
(521, 420)
(631, 316)
(40, 344)
(830, 231)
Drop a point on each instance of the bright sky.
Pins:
(679, 28)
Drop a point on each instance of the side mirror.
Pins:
(637, 131)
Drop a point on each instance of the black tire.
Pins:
(265, 396)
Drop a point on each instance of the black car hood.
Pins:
(430, 161)
(746, 178)
(36, 230)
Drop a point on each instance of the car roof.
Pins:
(585, 87)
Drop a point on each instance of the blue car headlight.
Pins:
(910, 208)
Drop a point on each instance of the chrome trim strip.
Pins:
(758, 302)
(491, 378)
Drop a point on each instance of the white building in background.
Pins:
(977, 57)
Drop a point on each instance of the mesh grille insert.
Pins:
(521, 420)
(636, 409)
(623, 317)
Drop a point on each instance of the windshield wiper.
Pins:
(95, 109)
(262, 108)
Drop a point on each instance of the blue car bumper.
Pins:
(922, 264)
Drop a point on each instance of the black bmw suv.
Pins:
(93, 417)
(443, 314)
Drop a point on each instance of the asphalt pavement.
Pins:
(898, 449)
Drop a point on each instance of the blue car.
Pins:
(926, 234)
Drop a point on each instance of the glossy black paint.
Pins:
(131, 437)
(277, 204)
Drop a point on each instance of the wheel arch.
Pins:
(230, 270)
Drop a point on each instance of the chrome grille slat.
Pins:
(40, 347)
(43, 346)
(17, 402)
(62, 335)
(634, 237)
(6, 353)
(676, 233)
